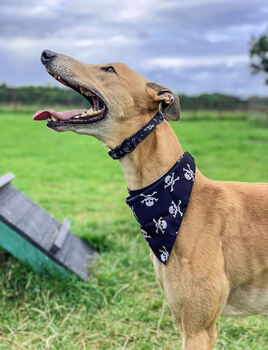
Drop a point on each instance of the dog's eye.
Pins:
(109, 69)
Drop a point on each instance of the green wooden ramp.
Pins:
(35, 237)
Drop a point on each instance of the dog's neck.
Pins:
(154, 156)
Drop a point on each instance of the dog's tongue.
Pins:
(45, 114)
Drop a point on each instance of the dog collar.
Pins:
(129, 144)
(159, 208)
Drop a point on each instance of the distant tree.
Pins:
(259, 54)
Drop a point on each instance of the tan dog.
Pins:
(219, 263)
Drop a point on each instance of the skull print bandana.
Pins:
(159, 208)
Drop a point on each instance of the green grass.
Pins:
(121, 306)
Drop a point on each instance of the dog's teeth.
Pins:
(83, 114)
(55, 76)
(85, 92)
(76, 116)
(53, 118)
(90, 111)
(59, 77)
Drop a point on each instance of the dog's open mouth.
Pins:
(94, 114)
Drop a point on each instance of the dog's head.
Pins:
(120, 99)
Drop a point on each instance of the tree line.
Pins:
(49, 96)
(41, 95)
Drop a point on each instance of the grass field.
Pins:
(121, 306)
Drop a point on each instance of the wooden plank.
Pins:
(39, 226)
(5, 179)
(76, 255)
(15, 207)
(61, 236)
(6, 193)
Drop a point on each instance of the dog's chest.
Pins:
(247, 301)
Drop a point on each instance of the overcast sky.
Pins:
(191, 46)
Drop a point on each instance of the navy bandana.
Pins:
(159, 207)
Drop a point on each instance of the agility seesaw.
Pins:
(35, 237)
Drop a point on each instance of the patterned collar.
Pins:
(129, 144)
(159, 208)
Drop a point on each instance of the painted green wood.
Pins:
(36, 231)
(24, 251)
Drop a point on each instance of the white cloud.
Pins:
(215, 37)
(202, 61)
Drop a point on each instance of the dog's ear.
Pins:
(169, 101)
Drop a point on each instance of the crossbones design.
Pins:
(145, 234)
(170, 181)
(189, 174)
(174, 209)
(149, 199)
(164, 253)
(161, 225)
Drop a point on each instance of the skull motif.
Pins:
(174, 209)
(188, 173)
(160, 225)
(170, 181)
(149, 200)
(164, 253)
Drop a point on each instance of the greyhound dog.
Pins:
(219, 261)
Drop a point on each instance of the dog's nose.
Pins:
(47, 56)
